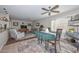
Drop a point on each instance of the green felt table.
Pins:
(45, 36)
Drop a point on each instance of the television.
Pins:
(23, 26)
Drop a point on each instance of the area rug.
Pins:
(32, 46)
(26, 46)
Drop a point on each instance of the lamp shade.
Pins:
(47, 30)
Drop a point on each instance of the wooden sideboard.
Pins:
(23, 30)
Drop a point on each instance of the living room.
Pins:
(25, 20)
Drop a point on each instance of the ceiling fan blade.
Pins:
(56, 6)
(55, 11)
(4, 8)
(49, 13)
(45, 9)
(44, 13)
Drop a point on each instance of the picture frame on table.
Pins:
(15, 23)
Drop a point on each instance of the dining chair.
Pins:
(57, 39)
(76, 44)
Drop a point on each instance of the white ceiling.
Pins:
(32, 12)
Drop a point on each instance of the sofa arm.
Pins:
(20, 35)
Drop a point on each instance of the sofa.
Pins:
(16, 34)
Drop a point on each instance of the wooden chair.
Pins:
(76, 44)
(57, 39)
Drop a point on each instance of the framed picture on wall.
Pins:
(29, 24)
(15, 23)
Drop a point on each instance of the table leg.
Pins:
(55, 47)
(38, 41)
(41, 41)
(46, 44)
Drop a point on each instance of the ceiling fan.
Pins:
(50, 10)
(5, 10)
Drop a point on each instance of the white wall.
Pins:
(45, 22)
(20, 23)
(60, 23)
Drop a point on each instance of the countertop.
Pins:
(73, 35)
